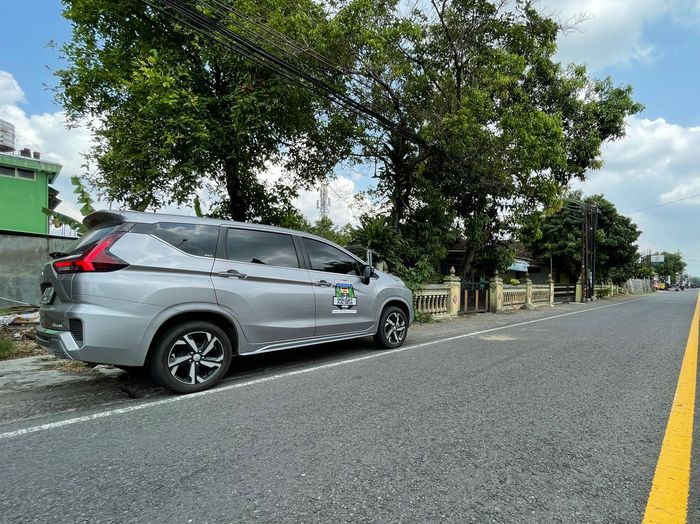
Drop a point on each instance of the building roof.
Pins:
(51, 169)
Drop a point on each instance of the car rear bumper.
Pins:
(60, 343)
(111, 332)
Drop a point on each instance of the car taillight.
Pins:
(97, 258)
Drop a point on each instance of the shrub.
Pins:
(423, 318)
(602, 293)
(514, 282)
(7, 347)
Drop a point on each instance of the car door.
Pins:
(258, 277)
(344, 304)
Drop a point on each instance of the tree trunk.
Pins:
(466, 265)
(238, 200)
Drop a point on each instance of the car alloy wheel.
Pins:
(395, 328)
(195, 357)
(191, 356)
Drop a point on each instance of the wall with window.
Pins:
(23, 192)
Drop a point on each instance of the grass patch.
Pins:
(17, 349)
(423, 318)
(7, 347)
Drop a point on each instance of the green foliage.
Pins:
(197, 204)
(505, 126)
(423, 318)
(82, 197)
(559, 235)
(59, 219)
(672, 266)
(175, 112)
(6, 348)
(500, 127)
(603, 292)
(514, 282)
(324, 228)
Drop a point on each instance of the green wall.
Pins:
(21, 200)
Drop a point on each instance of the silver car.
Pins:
(182, 295)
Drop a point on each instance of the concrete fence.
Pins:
(525, 295)
(607, 290)
(439, 300)
(443, 300)
(637, 286)
(21, 258)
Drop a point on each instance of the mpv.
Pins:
(181, 295)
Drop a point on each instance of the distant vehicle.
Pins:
(181, 295)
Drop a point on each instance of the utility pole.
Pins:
(584, 254)
(589, 227)
(594, 213)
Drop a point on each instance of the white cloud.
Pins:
(10, 91)
(684, 194)
(612, 31)
(46, 133)
(645, 174)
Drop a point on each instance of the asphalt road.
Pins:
(558, 418)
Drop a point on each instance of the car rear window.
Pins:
(91, 238)
(261, 247)
(195, 239)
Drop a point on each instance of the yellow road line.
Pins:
(668, 499)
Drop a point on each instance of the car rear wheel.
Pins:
(393, 327)
(191, 357)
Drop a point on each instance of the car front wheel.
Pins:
(191, 357)
(393, 327)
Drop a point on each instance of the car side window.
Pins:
(329, 259)
(195, 239)
(261, 247)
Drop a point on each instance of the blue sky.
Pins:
(653, 45)
(27, 29)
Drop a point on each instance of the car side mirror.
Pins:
(366, 274)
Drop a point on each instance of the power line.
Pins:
(664, 204)
(208, 27)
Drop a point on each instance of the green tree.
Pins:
(672, 266)
(559, 235)
(325, 228)
(174, 111)
(503, 128)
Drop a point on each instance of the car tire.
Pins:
(191, 357)
(393, 328)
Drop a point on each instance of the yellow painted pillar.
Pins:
(455, 284)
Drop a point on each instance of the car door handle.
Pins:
(232, 273)
(323, 283)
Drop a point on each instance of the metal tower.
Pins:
(323, 204)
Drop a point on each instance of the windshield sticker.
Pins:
(344, 298)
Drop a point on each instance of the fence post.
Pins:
(496, 292)
(550, 283)
(579, 292)
(528, 292)
(455, 287)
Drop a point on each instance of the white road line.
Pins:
(183, 398)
